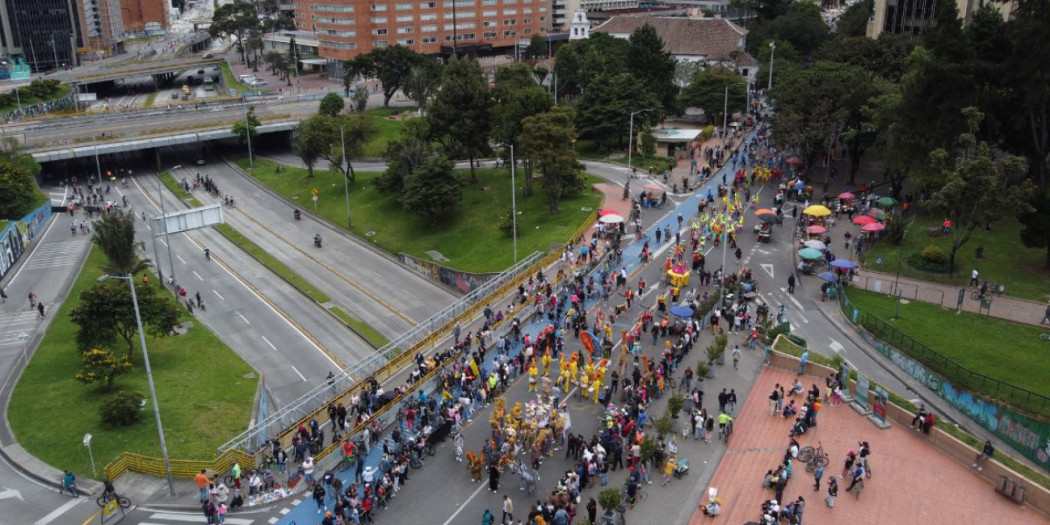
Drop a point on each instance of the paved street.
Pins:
(363, 282)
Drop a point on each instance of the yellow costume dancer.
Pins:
(574, 372)
(533, 372)
(545, 362)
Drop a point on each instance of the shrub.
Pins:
(101, 366)
(934, 255)
(919, 263)
(708, 132)
(609, 499)
(121, 410)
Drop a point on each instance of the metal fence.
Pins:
(959, 375)
(383, 363)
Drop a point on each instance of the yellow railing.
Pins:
(180, 468)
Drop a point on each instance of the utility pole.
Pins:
(773, 51)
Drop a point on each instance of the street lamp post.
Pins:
(772, 52)
(630, 139)
(725, 117)
(149, 376)
(346, 184)
(248, 133)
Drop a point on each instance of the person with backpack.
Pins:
(209, 511)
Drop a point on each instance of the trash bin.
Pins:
(1019, 494)
(1000, 486)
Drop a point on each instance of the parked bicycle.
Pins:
(813, 457)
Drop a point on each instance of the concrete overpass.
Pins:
(159, 141)
(155, 68)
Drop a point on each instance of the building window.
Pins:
(527, 11)
(463, 25)
(379, 32)
(490, 23)
(428, 5)
(378, 7)
(510, 12)
(405, 30)
(334, 8)
(403, 7)
(380, 43)
(379, 20)
(333, 32)
(488, 13)
(460, 4)
(406, 42)
(404, 18)
(430, 39)
(510, 33)
(510, 22)
(428, 16)
(490, 34)
(428, 29)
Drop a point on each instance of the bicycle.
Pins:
(122, 501)
(813, 457)
(70, 489)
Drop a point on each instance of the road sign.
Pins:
(314, 198)
(314, 192)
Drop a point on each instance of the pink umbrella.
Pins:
(846, 195)
(864, 219)
(873, 227)
(603, 213)
(816, 229)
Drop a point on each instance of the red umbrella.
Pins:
(603, 213)
(846, 195)
(864, 219)
(795, 161)
(816, 229)
(873, 227)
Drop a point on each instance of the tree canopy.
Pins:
(391, 65)
(460, 116)
(105, 312)
(548, 139)
(708, 88)
(115, 236)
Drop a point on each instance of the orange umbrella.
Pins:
(765, 211)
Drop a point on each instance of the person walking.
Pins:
(494, 478)
(32, 299)
(508, 510)
(791, 283)
(833, 491)
(487, 518)
(319, 495)
(858, 477)
(731, 400)
(202, 481)
(40, 308)
(974, 281)
(989, 450)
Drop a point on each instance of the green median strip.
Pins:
(152, 97)
(273, 264)
(362, 328)
(231, 81)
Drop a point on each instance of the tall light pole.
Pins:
(248, 133)
(163, 218)
(722, 279)
(630, 139)
(514, 203)
(149, 376)
(725, 117)
(772, 52)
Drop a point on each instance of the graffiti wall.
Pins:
(17, 236)
(1028, 436)
(457, 281)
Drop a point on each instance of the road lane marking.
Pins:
(298, 372)
(243, 318)
(53, 515)
(199, 278)
(268, 342)
(220, 296)
(180, 259)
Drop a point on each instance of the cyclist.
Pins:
(69, 483)
(631, 487)
(109, 492)
(723, 420)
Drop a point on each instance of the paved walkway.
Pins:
(911, 481)
(1003, 307)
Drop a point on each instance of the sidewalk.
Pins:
(911, 482)
(1003, 307)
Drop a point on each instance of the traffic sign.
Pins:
(314, 192)
(314, 198)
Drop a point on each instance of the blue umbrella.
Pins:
(681, 311)
(828, 276)
(844, 264)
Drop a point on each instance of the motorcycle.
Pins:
(297, 214)
(317, 241)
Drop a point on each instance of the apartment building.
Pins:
(346, 28)
(912, 16)
(101, 25)
(138, 13)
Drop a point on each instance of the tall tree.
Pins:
(579, 63)
(707, 90)
(460, 116)
(19, 193)
(538, 47)
(331, 105)
(1030, 50)
(432, 189)
(404, 155)
(245, 128)
(974, 186)
(802, 25)
(115, 236)
(423, 80)
(854, 21)
(517, 96)
(605, 108)
(348, 135)
(548, 139)
(105, 312)
(360, 97)
(391, 65)
(1035, 222)
(234, 20)
(652, 64)
(312, 140)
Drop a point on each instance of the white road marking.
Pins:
(162, 241)
(194, 518)
(199, 278)
(220, 296)
(298, 372)
(836, 346)
(53, 515)
(268, 342)
(180, 259)
(243, 318)
(768, 268)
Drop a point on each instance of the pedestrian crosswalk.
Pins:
(169, 518)
(14, 325)
(57, 254)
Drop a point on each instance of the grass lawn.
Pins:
(231, 81)
(1005, 258)
(1007, 351)
(205, 392)
(150, 99)
(362, 328)
(63, 90)
(470, 238)
(387, 130)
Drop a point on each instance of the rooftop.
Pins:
(713, 38)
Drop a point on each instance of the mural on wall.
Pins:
(1028, 436)
(461, 282)
(15, 239)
